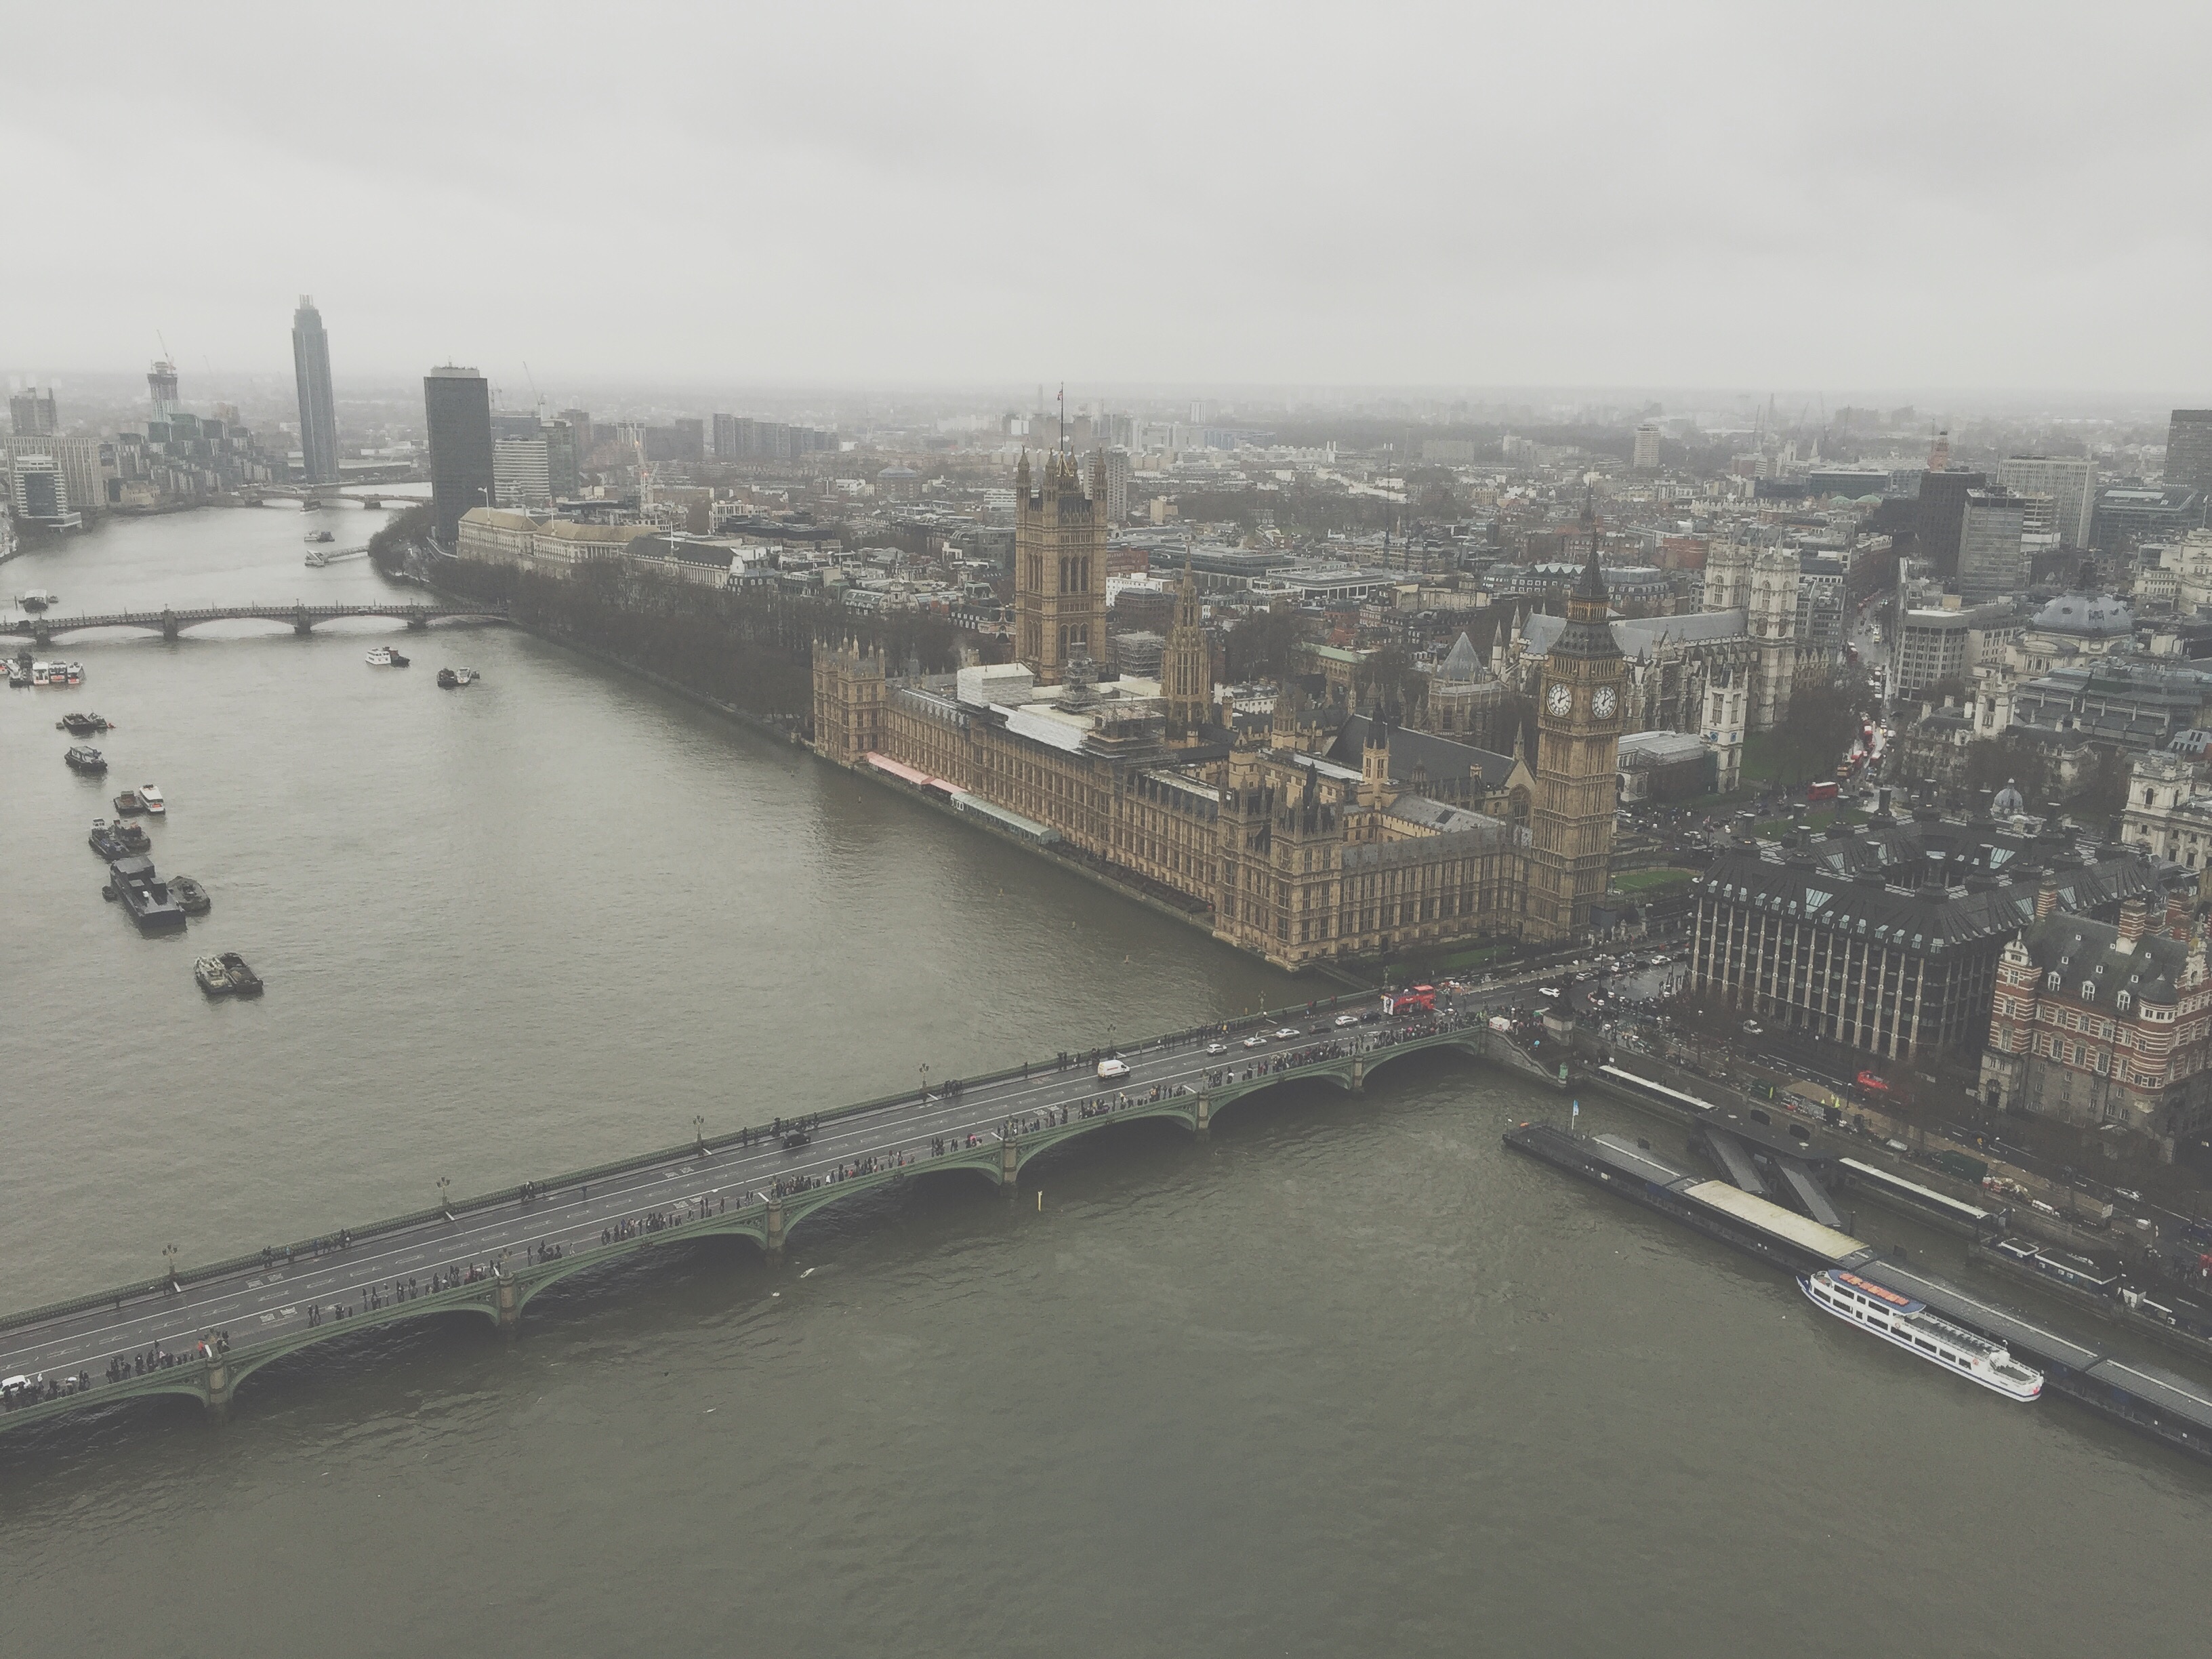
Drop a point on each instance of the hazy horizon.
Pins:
(1403, 201)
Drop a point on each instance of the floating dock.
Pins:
(2170, 1409)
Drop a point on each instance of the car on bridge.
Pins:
(1113, 1068)
(1255, 1041)
(1290, 1031)
(1347, 1020)
(1217, 1048)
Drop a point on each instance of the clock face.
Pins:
(1561, 699)
(1601, 704)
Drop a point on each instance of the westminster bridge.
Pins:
(202, 1331)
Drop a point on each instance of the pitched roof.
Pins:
(1443, 757)
(1923, 884)
(2082, 951)
(1463, 662)
(1642, 636)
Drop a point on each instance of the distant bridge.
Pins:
(301, 618)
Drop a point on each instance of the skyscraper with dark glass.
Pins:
(2189, 450)
(457, 403)
(318, 412)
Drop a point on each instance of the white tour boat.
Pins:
(152, 796)
(1901, 1319)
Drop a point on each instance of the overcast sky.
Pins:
(1870, 196)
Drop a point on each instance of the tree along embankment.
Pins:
(751, 651)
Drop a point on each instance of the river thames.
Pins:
(1345, 1378)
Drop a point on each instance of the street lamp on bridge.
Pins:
(445, 1197)
(699, 1132)
(169, 1253)
(924, 1069)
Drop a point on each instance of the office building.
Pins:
(2129, 514)
(521, 472)
(85, 463)
(161, 390)
(457, 408)
(319, 411)
(1939, 645)
(1117, 485)
(39, 492)
(1646, 458)
(1941, 516)
(1992, 556)
(2189, 450)
(32, 414)
(2100, 1024)
(1887, 938)
(563, 459)
(2070, 482)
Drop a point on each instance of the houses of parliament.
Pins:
(1302, 835)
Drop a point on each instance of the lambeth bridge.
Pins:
(301, 618)
(201, 1332)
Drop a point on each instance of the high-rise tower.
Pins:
(1059, 565)
(1578, 714)
(2189, 450)
(161, 389)
(318, 413)
(32, 413)
(457, 408)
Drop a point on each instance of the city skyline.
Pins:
(1424, 200)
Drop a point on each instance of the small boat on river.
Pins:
(82, 726)
(37, 600)
(150, 796)
(104, 841)
(86, 761)
(145, 896)
(320, 535)
(244, 982)
(385, 657)
(214, 977)
(191, 898)
(129, 803)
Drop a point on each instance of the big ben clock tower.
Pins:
(1578, 714)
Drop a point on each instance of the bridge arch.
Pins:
(260, 1358)
(1179, 1109)
(1464, 1043)
(803, 1207)
(1338, 1071)
(532, 1280)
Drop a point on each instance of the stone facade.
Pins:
(1298, 853)
(2105, 1022)
(1887, 938)
(1059, 565)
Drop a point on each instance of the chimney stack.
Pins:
(2046, 898)
(2135, 919)
(2180, 908)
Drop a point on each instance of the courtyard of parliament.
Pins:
(1318, 833)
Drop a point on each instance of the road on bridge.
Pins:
(294, 1289)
